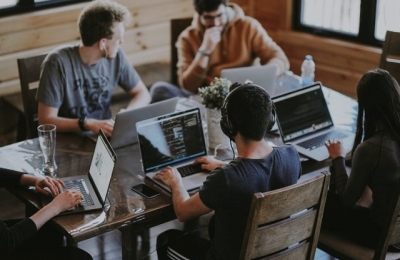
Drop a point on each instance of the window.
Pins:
(10, 7)
(363, 21)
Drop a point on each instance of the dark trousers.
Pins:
(176, 244)
(46, 244)
(163, 90)
(179, 243)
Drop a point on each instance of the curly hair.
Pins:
(97, 18)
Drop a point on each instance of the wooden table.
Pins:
(125, 209)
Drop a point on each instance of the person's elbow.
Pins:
(46, 114)
(182, 215)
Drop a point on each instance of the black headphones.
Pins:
(227, 125)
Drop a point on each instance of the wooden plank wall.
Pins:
(339, 64)
(147, 38)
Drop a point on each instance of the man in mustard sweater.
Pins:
(220, 37)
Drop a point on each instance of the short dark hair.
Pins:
(96, 20)
(378, 96)
(250, 109)
(207, 5)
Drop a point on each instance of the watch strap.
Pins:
(81, 123)
(203, 53)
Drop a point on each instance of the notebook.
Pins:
(264, 76)
(93, 186)
(124, 132)
(174, 140)
(304, 121)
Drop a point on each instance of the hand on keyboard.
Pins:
(335, 149)
(209, 163)
(66, 200)
(169, 176)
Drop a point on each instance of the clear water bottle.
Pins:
(307, 71)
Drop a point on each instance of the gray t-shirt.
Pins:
(81, 90)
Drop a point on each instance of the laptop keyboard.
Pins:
(78, 185)
(321, 139)
(190, 169)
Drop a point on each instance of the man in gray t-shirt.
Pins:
(77, 82)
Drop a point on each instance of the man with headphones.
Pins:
(247, 114)
(77, 82)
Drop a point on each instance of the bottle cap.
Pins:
(308, 57)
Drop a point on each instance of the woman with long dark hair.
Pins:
(357, 202)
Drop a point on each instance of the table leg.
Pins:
(129, 243)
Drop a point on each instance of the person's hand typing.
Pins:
(66, 200)
(335, 149)
(168, 176)
(95, 125)
(54, 185)
(209, 163)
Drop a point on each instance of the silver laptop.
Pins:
(93, 186)
(304, 121)
(264, 76)
(124, 132)
(174, 140)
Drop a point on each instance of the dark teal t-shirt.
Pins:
(229, 191)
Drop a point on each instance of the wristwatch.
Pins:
(81, 123)
(203, 53)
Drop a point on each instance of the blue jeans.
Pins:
(164, 90)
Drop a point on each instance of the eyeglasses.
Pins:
(210, 18)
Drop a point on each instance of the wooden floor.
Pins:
(108, 246)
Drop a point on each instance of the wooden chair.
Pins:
(177, 26)
(390, 58)
(341, 247)
(285, 223)
(29, 73)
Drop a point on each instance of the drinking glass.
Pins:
(47, 141)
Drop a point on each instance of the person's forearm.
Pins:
(193, 77)
(179, 196)
(28, 180)
(44, 215)
(62, 124)
(139, 100)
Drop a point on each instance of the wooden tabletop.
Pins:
(73, 155)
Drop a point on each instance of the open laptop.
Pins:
(124, 132)
(174, 140)
(304, 121)
(264, 76)
(93, 186)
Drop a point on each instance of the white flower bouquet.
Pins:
(213, 96)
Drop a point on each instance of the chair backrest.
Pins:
(390, 233)
(342, 247)
(390, 58)
(285, 223)
(29, 74)
(177, 26)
